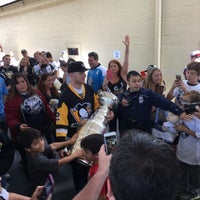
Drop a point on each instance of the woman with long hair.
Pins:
(116, 78)
(155, 82)
(26, 69)
(47, 88)
(25, 108)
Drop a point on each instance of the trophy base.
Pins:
(83, 162)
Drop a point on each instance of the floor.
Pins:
(64, 187)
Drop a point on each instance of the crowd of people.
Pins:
(43, 118)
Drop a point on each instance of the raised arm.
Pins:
(57, 145)
(126, 57)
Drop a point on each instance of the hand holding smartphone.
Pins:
(109, 75)
(110, 141)
(178, 77)
(48, 188)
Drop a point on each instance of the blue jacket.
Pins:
(138, 114)
(95, 78)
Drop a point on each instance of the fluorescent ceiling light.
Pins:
(4, 2)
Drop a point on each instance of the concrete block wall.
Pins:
(100, 25)
(180, 36)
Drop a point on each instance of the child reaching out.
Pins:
(188, 148)
(41, 159)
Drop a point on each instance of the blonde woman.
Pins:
(155, 82)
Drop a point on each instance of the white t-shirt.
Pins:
(39, 71)
(103, 69)
(188, 148)
(4, 194)
(179, 92)
(55, 65)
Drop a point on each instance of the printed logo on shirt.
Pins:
(118, 89)
(32, 105)
(80, 112)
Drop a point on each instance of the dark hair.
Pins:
(7, 55)
(23, 51)
(132, 73)
(48, 55)
(92, 143)
(27, 136)
(70, 60)
(42, 88)
(194, 66)
(14, 82)
(94, 55)
(143, 167)
(118, 64)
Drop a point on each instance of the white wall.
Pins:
(97, 25)
(100, 25)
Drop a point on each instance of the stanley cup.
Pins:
(96, 124)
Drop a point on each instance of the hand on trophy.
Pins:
(110, 115)
(74, 138)
(78, 153)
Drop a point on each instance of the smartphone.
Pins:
(160, 89)
(110, 141)
(48, 188)
(178, 77)
(109, 75)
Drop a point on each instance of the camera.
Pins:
(189, 108)
(110, 141)
(48, 188)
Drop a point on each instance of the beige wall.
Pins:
(100, 25)
(180, 35)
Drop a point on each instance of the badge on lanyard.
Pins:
(141, 99)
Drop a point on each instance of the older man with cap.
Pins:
(77, 102)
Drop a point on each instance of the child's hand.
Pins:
(180, 127)
(23, 127)
(74, 138)
(197, 113)
(186, 117)
(78, 153)
(110, 115)
(125, 102)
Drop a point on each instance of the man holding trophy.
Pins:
(77, 102)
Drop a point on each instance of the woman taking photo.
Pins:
(47, 88)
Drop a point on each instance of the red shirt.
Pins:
(92, 172)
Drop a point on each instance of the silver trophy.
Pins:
(96, 124)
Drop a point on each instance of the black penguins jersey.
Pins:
(74, 108)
